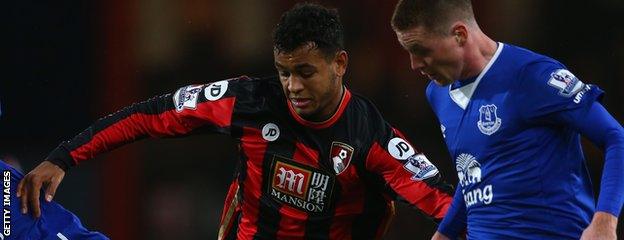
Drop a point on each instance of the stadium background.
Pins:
(70, 62)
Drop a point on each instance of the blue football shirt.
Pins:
(522, 174)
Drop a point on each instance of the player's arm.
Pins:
(454, 223)
(556, 97)
(189, 110)
(605, 132)
(408, 176)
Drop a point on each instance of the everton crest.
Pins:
(341, 154)
(488, 122)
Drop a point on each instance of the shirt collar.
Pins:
(461, 96)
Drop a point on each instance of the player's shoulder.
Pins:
(529, 62)
(368, 115)
(248, 84)
(366, 108)
(244, 88)
(534, 69)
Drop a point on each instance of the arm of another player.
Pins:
(409, 176)
(28, 188)
(187, 111)
(603, 130)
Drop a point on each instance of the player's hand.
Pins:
(46, 174)
(439, 236)
(602, 227)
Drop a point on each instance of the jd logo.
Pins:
(270, 132)
(216, 90)
(400, 149)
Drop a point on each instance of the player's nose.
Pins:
(294, 84)
(416, 62)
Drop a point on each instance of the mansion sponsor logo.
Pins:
(300, 186)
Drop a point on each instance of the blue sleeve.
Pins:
(546, 87)
(454, 223)
(604, 131)
(550, 94)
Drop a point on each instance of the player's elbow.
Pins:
(615, 140)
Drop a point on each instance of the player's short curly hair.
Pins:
(309, 23)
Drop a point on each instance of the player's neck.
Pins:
(480, 52)
(332, 107)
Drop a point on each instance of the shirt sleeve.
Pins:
(454, 223)
(551, 94)
(547, 87)
(190, 109)
(604, 131)
(408, 175)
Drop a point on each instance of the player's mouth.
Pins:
(301, 102)
(430, 76)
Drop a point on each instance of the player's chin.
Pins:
(303, 112)
(307, 113)
(442, 82)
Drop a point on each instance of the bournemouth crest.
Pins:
(489, 122)
(341, 155)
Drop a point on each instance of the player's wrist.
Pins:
(605, 219)
(60, 157)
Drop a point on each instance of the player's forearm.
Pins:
(604, 131)
(611, 195)
(455, 220)
(127, 125)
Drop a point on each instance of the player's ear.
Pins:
(341, 60)
(459, 30)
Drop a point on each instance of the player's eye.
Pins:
(284, 74)
(307, 74)
(419, 50)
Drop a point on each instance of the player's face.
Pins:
(311, 82)
(437, 57)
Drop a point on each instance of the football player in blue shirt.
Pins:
(512, 121)
(54, 222)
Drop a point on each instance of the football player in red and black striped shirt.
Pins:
(316, 161)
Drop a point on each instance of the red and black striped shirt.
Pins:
(336, 179)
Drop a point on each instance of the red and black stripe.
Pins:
(269, 210)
